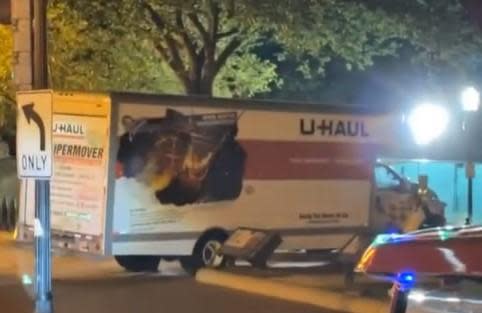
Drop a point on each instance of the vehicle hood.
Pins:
(435, 251)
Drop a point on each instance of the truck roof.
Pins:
(255, 104)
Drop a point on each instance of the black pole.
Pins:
(40, 72)
(43, 282)
(470, 200)
(43, 267)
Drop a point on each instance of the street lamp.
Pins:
(470, 99)
(428, 122)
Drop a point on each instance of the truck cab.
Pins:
(396, 197)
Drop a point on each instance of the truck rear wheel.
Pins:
(206, 253)
(138, 263)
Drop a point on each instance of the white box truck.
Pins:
(145, 177)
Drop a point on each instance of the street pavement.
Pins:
(148, 294)
(98, 285)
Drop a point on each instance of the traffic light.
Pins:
(5, 12)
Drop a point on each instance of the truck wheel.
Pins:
(205, 253)
(138, 263)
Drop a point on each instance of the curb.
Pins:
(316, 297)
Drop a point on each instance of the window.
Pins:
(385, 178)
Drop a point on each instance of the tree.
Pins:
(441, 50)
(7, 102)
(197, 38)
(87, 58)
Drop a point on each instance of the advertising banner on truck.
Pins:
(178, 168)
(78, 194)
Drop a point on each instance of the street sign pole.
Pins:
(469, 173)
(43, 268)
(43, 283)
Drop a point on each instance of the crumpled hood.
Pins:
(435, 251)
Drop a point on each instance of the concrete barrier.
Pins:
(290, 292)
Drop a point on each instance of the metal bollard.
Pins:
(3, 214)
(12, 215)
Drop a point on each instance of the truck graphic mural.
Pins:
(185, 159)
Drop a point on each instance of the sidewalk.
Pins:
(316, 286)
(16, 260)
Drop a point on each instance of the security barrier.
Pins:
(8, 214)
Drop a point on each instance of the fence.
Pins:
(8, 214)
(8, 193)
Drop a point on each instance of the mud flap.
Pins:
(350, 253)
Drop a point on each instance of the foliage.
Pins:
(443, 35)
(7, 105)
(197, 38)
(440, 50)
(86, 58)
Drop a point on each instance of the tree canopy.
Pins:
(247, 48)
(7, 108)
(440, 50)
(197, 39)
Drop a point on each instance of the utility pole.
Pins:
(5, 10)
(40, 61)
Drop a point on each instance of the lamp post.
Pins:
(470, 99)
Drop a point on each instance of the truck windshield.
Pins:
(386, 178)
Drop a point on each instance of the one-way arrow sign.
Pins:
(34, 131)
(30, 114)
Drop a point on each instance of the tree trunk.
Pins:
(200, 86)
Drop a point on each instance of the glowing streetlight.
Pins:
(470, 99)
(428, 122)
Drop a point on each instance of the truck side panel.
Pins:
(78, 194)
(183, 170)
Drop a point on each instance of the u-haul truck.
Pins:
(145, 177)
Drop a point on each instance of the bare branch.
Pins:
(199, 27)
(228, 33)
(226, 53)
(188, 43)
(173, 62)
(155, 17)
(213, 20)
(171, 53)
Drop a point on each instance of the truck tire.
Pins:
(205, 253)
(138, 263)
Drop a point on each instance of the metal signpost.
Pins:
(34, 160)
(34, 128)
(470, 174)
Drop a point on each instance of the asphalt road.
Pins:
(93, 285)
(146, 295)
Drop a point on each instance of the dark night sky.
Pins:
(475, 9)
